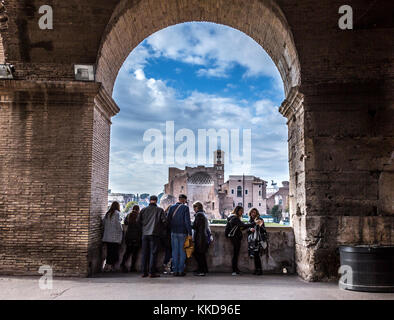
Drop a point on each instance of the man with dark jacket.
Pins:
(152, 220)
(180, 225)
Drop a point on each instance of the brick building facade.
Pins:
(206, 184)
(280, 198)
(199, 183)
(246, 191)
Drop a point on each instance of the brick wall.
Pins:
(46, 166)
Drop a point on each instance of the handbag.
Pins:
(263, 238)
(264, 244)
(188, 246)
(231, 234)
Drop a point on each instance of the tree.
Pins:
(276, 213)
(129, 205)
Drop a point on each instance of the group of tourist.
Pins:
(172, 229)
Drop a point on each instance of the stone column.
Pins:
(54, 149)
(341, 162)
(293, 109)
(105, 108)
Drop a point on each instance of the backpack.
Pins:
(230, 230)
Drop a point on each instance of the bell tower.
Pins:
(219, 166)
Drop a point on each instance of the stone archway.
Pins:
(54, 130)
(263, 21)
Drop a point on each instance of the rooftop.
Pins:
(200, 178)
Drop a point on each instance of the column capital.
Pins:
(292, 103)
(105, 103)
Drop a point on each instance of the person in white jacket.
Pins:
(113, 234)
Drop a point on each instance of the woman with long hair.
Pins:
(255, 232)
(236, 225)
(132, 239)
(113, 234)
(201, 238)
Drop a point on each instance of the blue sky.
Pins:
(200, 76)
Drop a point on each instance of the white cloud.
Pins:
(147, 102)
(207, 43)
(264, 106)
(139, 74)
(150, 103)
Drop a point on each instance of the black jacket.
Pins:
(165, 232)
(134, 232)
(236, 221)
(200, 226)
(262, 229)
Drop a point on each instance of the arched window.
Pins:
(239, 191)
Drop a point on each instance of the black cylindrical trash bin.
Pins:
(367, 268)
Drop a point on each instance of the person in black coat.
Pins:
(235, 221)
(132, 239)
(254, 248)
(165, 240)
(201, 238)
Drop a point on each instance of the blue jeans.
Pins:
(178, 253)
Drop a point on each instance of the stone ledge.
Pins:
(281, 254)
(24, 85)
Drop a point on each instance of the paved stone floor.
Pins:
(214, 286)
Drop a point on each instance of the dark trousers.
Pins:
(166, 245)
(201, 262)
(150, 246)
(131, 250)
(112, 253)
(257, 262)
(237, 248)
